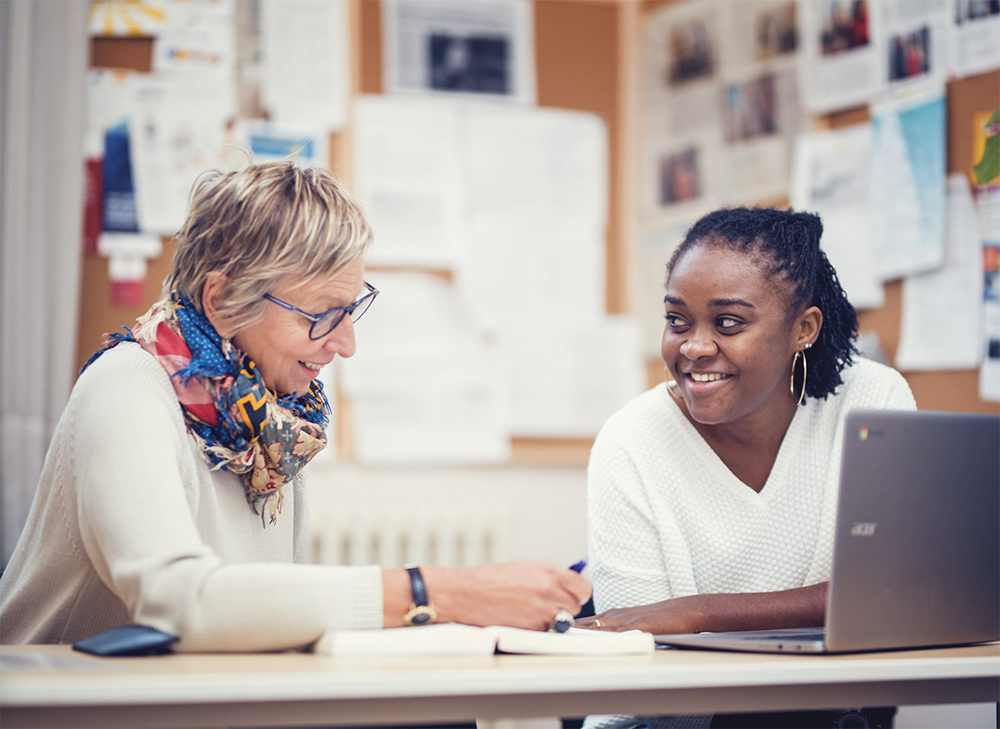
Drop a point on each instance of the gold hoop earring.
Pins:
(671, 384)
(805, 373)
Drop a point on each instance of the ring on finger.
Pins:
(597, 622)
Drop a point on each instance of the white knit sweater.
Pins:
(129, 525)
(667, 518)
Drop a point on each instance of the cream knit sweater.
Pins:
(667, 518)
(129, 525)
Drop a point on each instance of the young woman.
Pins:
(712, 497)
(173, 494)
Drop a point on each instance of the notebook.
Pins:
(453, 639)
(916, 558)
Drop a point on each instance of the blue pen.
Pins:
(564, 619)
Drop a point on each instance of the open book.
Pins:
(453, 639)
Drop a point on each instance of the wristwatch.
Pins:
(421, 612)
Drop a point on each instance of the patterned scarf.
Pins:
(240, 425)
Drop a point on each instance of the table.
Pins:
(51, 686)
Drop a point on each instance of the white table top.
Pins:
(37, 682)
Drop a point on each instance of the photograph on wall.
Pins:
(844, 26)
(682, 62)
(775, 31)
(975, 36)
(750, 109)
(839, 63)
(482, 48)
(909, 54)
(692, 52)
(680, 176)
(914, 49)
(755, 35)
(760, 113)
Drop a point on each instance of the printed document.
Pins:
(481, 48)
(832, 177)
(941, 320)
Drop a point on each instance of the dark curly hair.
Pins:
(786, 244)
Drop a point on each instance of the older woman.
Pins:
(712, 498)
(173, 494)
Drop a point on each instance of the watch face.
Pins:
(421, 618)
(420, 615)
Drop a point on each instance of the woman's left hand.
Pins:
(670, 616)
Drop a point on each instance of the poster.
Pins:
(839, 62)
(481, 48)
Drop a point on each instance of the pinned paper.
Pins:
(127, 257)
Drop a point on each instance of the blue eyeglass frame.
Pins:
(363, 303)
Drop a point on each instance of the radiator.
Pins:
(393, 537)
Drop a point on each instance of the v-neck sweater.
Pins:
(667, 518)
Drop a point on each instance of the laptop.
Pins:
(916, 556)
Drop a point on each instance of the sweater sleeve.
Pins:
(626, 562)
(138, 532)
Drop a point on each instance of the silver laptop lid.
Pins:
(917, 543)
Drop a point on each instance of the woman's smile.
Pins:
(727, 336)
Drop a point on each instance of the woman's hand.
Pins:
(519, 594)
(670, 616)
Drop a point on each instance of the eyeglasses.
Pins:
(326, 322)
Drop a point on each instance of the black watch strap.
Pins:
(421, 612)
(418, 586)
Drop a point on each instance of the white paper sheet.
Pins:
(682, 67)
(941, 327)
(198, 42)
(176, 133)
(514, 273)
(760, 118)
(407, 178)
(908, 185)
(477, 47)
(545, 166)
(653, 250)
(839, 60)
(536, 214)
(975, 37)
(565, 380)
(831, 177)
(306, 62)
(914, 43)
(424, 385)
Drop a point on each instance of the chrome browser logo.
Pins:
(863, 434)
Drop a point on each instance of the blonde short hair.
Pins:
(262, 226)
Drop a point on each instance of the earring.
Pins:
(805, 373)
(671, 384)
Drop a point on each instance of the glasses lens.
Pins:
(327, 324)
(362, 307)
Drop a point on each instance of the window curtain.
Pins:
(43, 62)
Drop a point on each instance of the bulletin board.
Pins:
(933, 390)
(585, 59)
